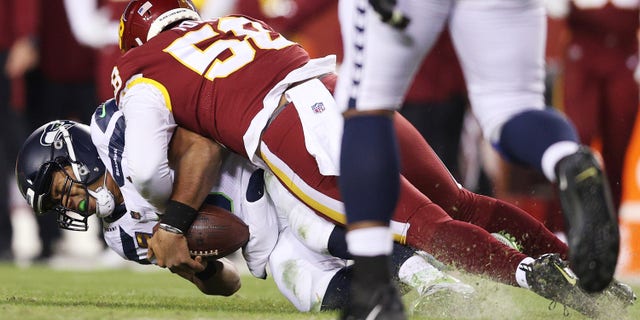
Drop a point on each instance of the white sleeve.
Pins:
(149, 128)
(212, 9)
(91, 26)
(557, 9)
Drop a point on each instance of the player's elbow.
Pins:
(225, 280)
(152, 182)
(227, 289)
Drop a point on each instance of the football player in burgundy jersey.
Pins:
(238, 82)
(601, 52)
(501, 45)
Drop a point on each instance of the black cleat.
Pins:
(383, 303)
(590, 219)
(550, 277)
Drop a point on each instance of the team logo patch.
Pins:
(318, 107)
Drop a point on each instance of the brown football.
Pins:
(216, 233)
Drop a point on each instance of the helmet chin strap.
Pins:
(105, 201)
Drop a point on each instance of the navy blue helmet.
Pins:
(52, 147)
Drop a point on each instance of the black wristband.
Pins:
(209, 271)
(179, 215)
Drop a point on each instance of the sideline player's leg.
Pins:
(509, 104)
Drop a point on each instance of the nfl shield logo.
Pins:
(317, 107)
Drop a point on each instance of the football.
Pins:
(216, 233)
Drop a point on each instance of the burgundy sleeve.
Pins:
(27, 17)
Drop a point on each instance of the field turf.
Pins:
(39, 292)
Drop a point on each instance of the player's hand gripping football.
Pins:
(171, 251)
(390, 14)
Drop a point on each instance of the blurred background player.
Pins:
(502, 57)
(94, 24)
(599, 92)
(14, 61)
(57, 74)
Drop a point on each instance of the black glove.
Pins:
(389, 14)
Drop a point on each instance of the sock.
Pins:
(553, 154)
(521, 274)
(371, 250)
(337, 245)
(369, 242)
(369, 169)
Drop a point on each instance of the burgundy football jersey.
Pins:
(608, 24)
(216, 72)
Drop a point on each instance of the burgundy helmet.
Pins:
(144, 19)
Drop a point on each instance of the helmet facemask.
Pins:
(76, 219)
(68, 218)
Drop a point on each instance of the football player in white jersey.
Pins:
(84, 188)
(501, 46)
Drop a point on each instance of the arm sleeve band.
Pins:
(179, 215)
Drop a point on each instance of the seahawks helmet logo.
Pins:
(53, 134)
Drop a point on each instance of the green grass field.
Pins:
(43, 293)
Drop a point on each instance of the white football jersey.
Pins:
(240, 190)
